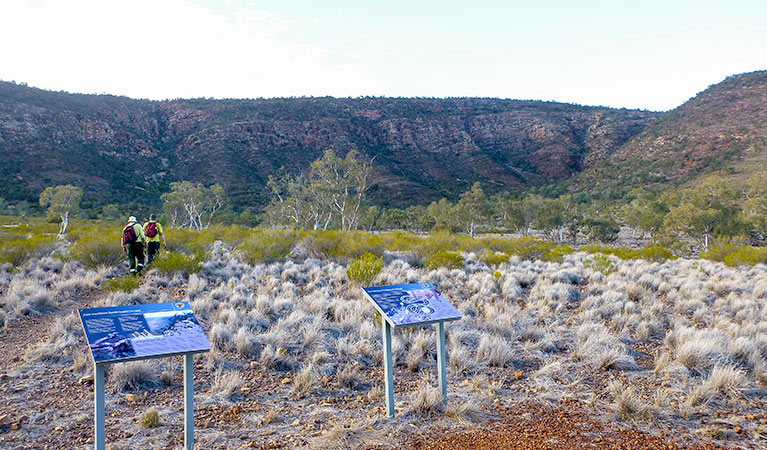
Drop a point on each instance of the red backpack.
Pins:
(151, 229)
(129, 235)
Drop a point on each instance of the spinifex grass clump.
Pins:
(151, 418)
(363, 269)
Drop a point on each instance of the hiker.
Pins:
(153, 232)
(133, 240)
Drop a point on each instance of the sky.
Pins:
(626, 54)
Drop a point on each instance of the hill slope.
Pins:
(422, 149)
(724, 126)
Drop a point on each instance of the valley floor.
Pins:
(548, 356)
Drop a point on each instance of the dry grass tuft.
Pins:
(353, 436)
(150, 419)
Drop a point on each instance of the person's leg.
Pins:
(151, 249)
(131, 260)
(139, 257)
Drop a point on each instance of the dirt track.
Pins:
(566, 427)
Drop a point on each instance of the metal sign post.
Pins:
(410, 305)
(131, 333)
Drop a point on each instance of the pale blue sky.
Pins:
(640, 54)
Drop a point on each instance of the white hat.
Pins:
(132, 219)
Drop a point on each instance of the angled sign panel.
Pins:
(123, 333)
(411, 304)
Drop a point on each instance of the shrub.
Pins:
(655, 253)
(344, 245)
(450, 260)
(363, 269)
(735, 255)
(397, 240)
(125, 283)
(557, 253)
(150, 419)
(746, 255)
(97, 249)
(601, 263)
(494, 258)
(172, 262)
(190, 241)
(18, 250)
(266, 244)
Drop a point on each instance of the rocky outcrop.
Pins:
(422, 149)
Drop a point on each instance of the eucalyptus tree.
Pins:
(62, 201)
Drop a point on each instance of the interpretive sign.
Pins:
(411, 304)
(126, 333)
(123, 333)
(406, 305)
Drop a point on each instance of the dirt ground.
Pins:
(57, 395)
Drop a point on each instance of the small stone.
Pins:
(59, 429)
(16, 426)
(285, 380)
(295, 423)
(130, 397)
(87, 379)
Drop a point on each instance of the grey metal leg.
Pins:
(388, 370)
(99, 438)
(188, 402)
(441, 360)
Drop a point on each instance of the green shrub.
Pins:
(652, 252)
(17, 250)
(344, 245)
(125, 283)
(745, 255)
(173, 262)
(600, 262)
(450, 260)
(99, 248)
(267, 244)
(655, 253)
(718, 251)
(492, 258)
(363, 269)
(400, 241)
(190, 241)
(557, 253)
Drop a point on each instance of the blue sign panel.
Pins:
(121, 333)
(411, 304)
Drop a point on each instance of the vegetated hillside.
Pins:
(724, 126)
(117, 148)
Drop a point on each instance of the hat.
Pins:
(132, 219)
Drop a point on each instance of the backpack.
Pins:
(151, 229)
(129, 235)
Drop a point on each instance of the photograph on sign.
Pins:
(411, 304)
(142, 331)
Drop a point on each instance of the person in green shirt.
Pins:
(133, 241)
(153, 232)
